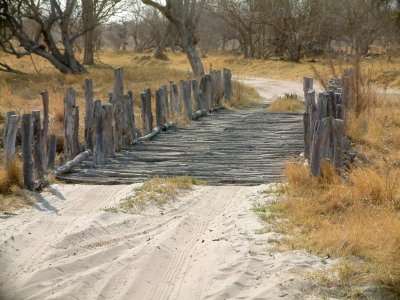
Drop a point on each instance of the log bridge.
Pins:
(220, 146)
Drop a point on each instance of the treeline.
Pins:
(284, 29)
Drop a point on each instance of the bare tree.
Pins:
(184, 14)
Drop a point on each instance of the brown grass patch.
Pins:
(158, 191)
(288, 103)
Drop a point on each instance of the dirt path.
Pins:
(207, 245)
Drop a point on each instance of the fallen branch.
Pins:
(73, 163)
(154, 132)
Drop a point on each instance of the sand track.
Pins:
(206, 245)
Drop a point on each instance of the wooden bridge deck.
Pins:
(242, 147)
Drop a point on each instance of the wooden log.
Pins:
(99, 154)
(322, 107)
(73, 163)
(11, 136)
(29, 180)
(208, 92)
(108, 134)
(130, 117)
(117, 106)
(37, 144)
(160, 108)
(308, 84)
(198, 114)
(147, 115)
(196, 94)
(338, 158)
(52, 151)
(321, 144)
(9, 115)
(89, 105)
(45, 126)
(187, 98)
(71, 126)
(228, 91)
(154, 132)
(165, 100)
(174, 96)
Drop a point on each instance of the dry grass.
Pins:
(244, 96)
(288, 103)
(360, 218)
(158, 191)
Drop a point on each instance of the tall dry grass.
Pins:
(361, 216)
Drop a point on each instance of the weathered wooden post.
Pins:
(321, 144)
(45, 126)
(71, 126)
(174, 96)
(202, 92)
(308, 84)
(147, 116)
(99, 157)
(11, 136)
(129, 118)
(228, 85)
(52, 151)
(29, 180)
(160, 108)
(9, 114)
(89, 114)
(219, 87)
(208, 92)
(37, 144)
(196, 94)
(117, 107)
(165, 100)
(338, 156)
(187, 98)
(108, 135)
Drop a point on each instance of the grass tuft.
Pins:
(288, 103)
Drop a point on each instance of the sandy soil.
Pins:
(206, 245)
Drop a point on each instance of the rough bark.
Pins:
(37, 145)
(29, 180)
(147, 116)
(11, 136)
(71, 126)
(89, 114)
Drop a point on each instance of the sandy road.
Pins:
(206, 245)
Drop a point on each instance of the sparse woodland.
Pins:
(55, 44)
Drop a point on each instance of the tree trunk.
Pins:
(159, 53)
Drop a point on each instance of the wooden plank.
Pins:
(29, 180)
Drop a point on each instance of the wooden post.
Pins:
(160, 108)
(307, 134)
(308, 84)
(52, 151)
(196, 94)
(108, 135)
(219, 87)
(321, 144)
(208, 92)
(71, 126)
(11, 136)
(165, 100)
(45, 126)
(228, 85)
(117, 107)
(89, 114)
(187, 98)
(174, 96)
(130, 116)
(338, 157)
(202, 92)
(37, 144)
(27, 151)
(147, 116)
(9, 114)
(98, 152)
